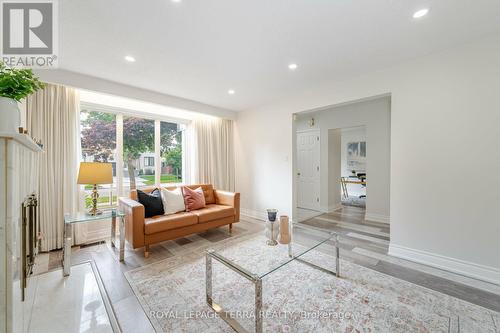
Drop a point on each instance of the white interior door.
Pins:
(308, 176)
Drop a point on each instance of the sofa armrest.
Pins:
(134, 221)
(229, 199)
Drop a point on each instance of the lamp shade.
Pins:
(95, 173)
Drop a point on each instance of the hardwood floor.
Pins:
(362, 242)
(128, 310)
(366, 243)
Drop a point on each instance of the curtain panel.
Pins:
(53, 116)
(210, 145)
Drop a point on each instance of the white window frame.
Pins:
(120, 113)
(148, 160)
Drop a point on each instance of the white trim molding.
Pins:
(305, 218)
(377, 218)
(92, 83)
(462, 267)
(331, 208)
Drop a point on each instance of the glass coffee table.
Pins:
(310, 239)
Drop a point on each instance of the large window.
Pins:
(138, 158)
(138, 150)
(171, 153)
(98, 136)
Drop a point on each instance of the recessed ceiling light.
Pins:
(421, 13)
(292, 67)
(176, 0)
(231, 92)
(130, 58)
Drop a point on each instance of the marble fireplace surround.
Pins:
(77, 303)
(298, 297)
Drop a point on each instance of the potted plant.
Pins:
(15, 85)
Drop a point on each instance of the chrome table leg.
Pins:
(208, 278)
(67, 239)
(122, 238)
(258, 305)
(226, 315)
(113, 231)
(290, 232)
(337, 256)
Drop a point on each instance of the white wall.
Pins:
(374, 115)
(334, 166)
(264, 162)
(445, 116)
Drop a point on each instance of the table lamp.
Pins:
(93, 173)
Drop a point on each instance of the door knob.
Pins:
(298, 173)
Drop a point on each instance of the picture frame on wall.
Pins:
(356, 156)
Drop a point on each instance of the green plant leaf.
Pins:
(18, 83)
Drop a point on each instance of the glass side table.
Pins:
(70, 220)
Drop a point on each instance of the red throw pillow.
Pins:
(194, 199)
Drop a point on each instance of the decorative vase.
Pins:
(271, 214)
(272, 230)
(10, 117)
(284, 237)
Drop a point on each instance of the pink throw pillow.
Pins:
(194, 199)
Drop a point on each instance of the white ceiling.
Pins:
(198, 49)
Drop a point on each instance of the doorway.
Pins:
(353, 166)
(354, 143)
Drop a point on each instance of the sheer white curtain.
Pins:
(210, 152)
(53, 116)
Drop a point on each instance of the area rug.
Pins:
(354, 201)
(297, 297)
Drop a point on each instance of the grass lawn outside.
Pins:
(150, 179)
(100, 201)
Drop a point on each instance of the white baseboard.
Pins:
(262, 216)
(331, 208)
(377, 218)
(462, 267)
(258, 215)
(305, 218)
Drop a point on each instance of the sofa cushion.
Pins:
(173, 201)
(161, 223)
(194, 199)
(152, 202)
(213, 212)
(208, 191)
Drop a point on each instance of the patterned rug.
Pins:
(297, 297)
(354, 201)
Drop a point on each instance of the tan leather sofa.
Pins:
(222, 208)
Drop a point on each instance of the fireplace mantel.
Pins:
(18, 180)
